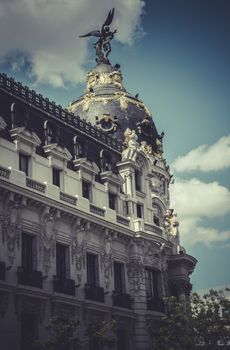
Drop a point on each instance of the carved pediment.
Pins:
(110, 177)
(85, 165)
(57, 151)
(24, 135)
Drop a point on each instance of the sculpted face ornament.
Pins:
(102, 46)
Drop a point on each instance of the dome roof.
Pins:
(108, 105)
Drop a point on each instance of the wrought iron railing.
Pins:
(155, 304)
(30, 278)
(64, 285)
(95, 293)
(122, 300)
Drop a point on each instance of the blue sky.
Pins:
(176, 55)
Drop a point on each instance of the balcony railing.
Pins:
(121, 300)
(64, 285)
(35, 185)
(122, 220)
(155, 304)
(96, 210)
(68, 198)
(2, 270)
(94, 293)
(4, 172)
(30, 278)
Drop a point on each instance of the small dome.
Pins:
(111, 108)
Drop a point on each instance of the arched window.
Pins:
(79, 149)
(51, 135)
(19, 116)
(105, 161)
(157, 213)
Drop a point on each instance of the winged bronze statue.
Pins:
(102, 46)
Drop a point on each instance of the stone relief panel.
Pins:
(47, 238)
(107, 258)
(11, 225)
(135, 273)
(78, 246)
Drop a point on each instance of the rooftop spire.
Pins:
(102, 46)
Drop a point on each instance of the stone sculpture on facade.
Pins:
(107, 259)
(79, 246)
(47, 239)
(130, 153)
(102, 46)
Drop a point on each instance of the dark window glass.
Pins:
(156, 220)
(119, 278)
(50, 135)
(92, 269)
(27, 252)
(86, 188)
(78, 149)
(61, 251)
(138, 180)
(29, 330)
(56, 177)
(151, 283)
(24, 163)
(112, 200)
(139, 210)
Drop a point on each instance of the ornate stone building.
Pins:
(86, 226)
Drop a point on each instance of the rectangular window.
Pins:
(151, 277)
(28, 252)
(92, 269)
(61, 261)
(24, 163)
(119, 277)
(86, 189)
(112, 201)
(56, 177)
(139, 210)
(138, 180)
(29, 330)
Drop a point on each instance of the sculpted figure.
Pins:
(130, 153)
(102, 46)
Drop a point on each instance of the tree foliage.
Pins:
(203, 322)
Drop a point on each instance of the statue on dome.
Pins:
(130, 153)
(159, 141)
(102, 46)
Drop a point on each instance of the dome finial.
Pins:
(102, 46)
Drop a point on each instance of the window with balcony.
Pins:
(86, 189)
(62, 283)
(120, 298)
(29, 330)
(139, 210)
(27, 273)
(24, 163)
(154, 302)
(56, 176)
(92, 289)
(112, 201)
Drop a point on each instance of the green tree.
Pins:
(203, 322)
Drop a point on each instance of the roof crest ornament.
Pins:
(102, 46)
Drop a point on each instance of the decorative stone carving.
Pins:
(56, 151)
(47, 238)
(107, 123)
(11, 226)
(135, 274)
(23, 135)
(78, 246)
(159, 144)
(171, 223)
(130, 153)
(107, 259)
(151, 254)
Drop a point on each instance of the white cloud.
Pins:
(205, 158)
(46, 33)
(196, 202)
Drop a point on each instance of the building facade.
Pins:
(86, 226)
